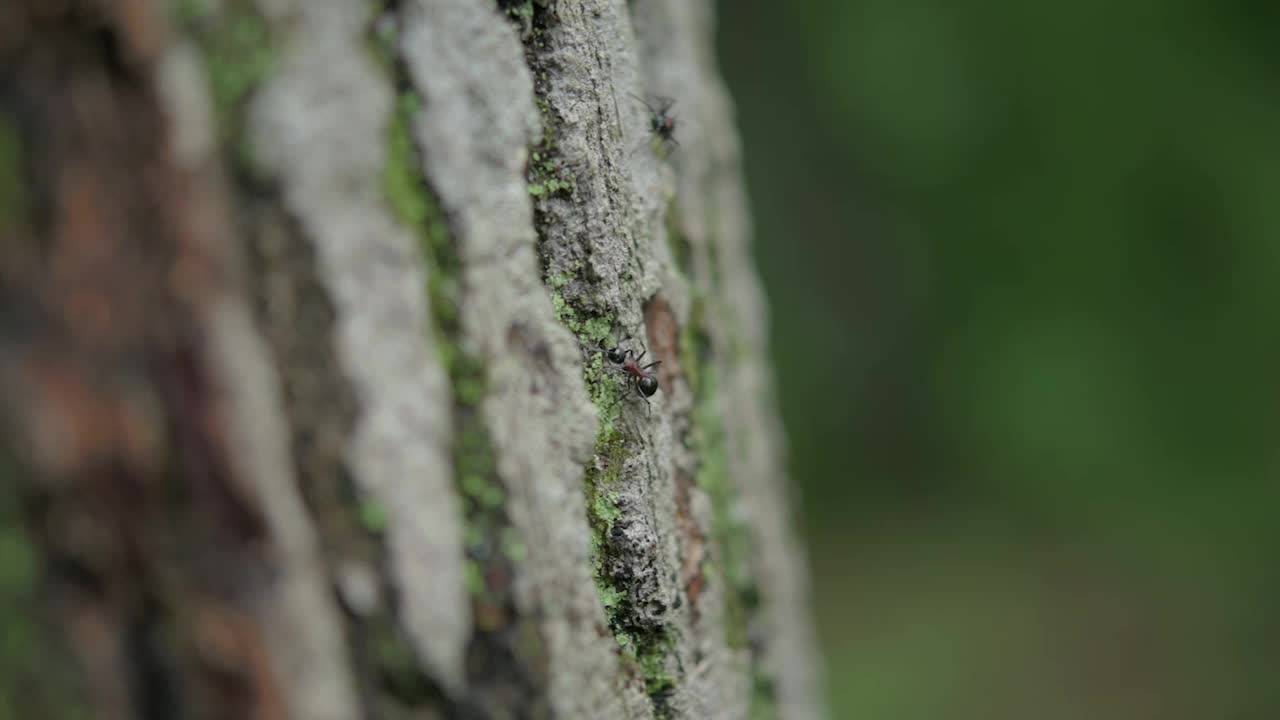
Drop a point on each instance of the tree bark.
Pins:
(304, 317)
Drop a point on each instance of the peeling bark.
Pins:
(302, 348)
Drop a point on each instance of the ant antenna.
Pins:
(643, 102)
(616, 112)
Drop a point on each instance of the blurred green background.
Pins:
(1024, 264)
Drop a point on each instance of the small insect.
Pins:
(644, 382)
(661, 122)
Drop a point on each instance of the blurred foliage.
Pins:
(1024, 260)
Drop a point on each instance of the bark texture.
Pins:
(301, 344)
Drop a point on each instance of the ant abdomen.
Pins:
(648, 385)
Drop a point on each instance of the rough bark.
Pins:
(304, 311)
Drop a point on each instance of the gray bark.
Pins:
(374, 462)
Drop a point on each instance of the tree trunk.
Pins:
(302, 340)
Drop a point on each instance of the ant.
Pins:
(661, 122)
(644, 382)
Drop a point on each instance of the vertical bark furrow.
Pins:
(343, 556)
(602, 264)
(753, 516)
(507, 660)
(318, 131)
(474, 126)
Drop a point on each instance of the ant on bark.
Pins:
(662, 124)
(639, 378)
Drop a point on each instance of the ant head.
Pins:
(616, 355)
(666, 129)
(648, 385)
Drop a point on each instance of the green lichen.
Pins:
(416, 207)
(597, 329)
(612, 597)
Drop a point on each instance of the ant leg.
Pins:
(642, 352)
(644, 102)
(653, 364)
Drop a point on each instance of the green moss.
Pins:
(416, 207)
(731, 535)
(598, 329)
(764, 696)
(551, 186)
(373, 515)
(544, 172)
(397, 664)
(601, 475)
(13, 185)
(522, 10)
(37, 676)
(382, 38)
(651, 650)
(605, 508)
(512, 547)
(611, 597)
(681, 248)
(482, 491)
(474, 578)
(191, 11)
(238, 56)
(401, 183)
(654, 654)
(741, 596)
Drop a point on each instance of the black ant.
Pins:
(661, 122)
(644, 382)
